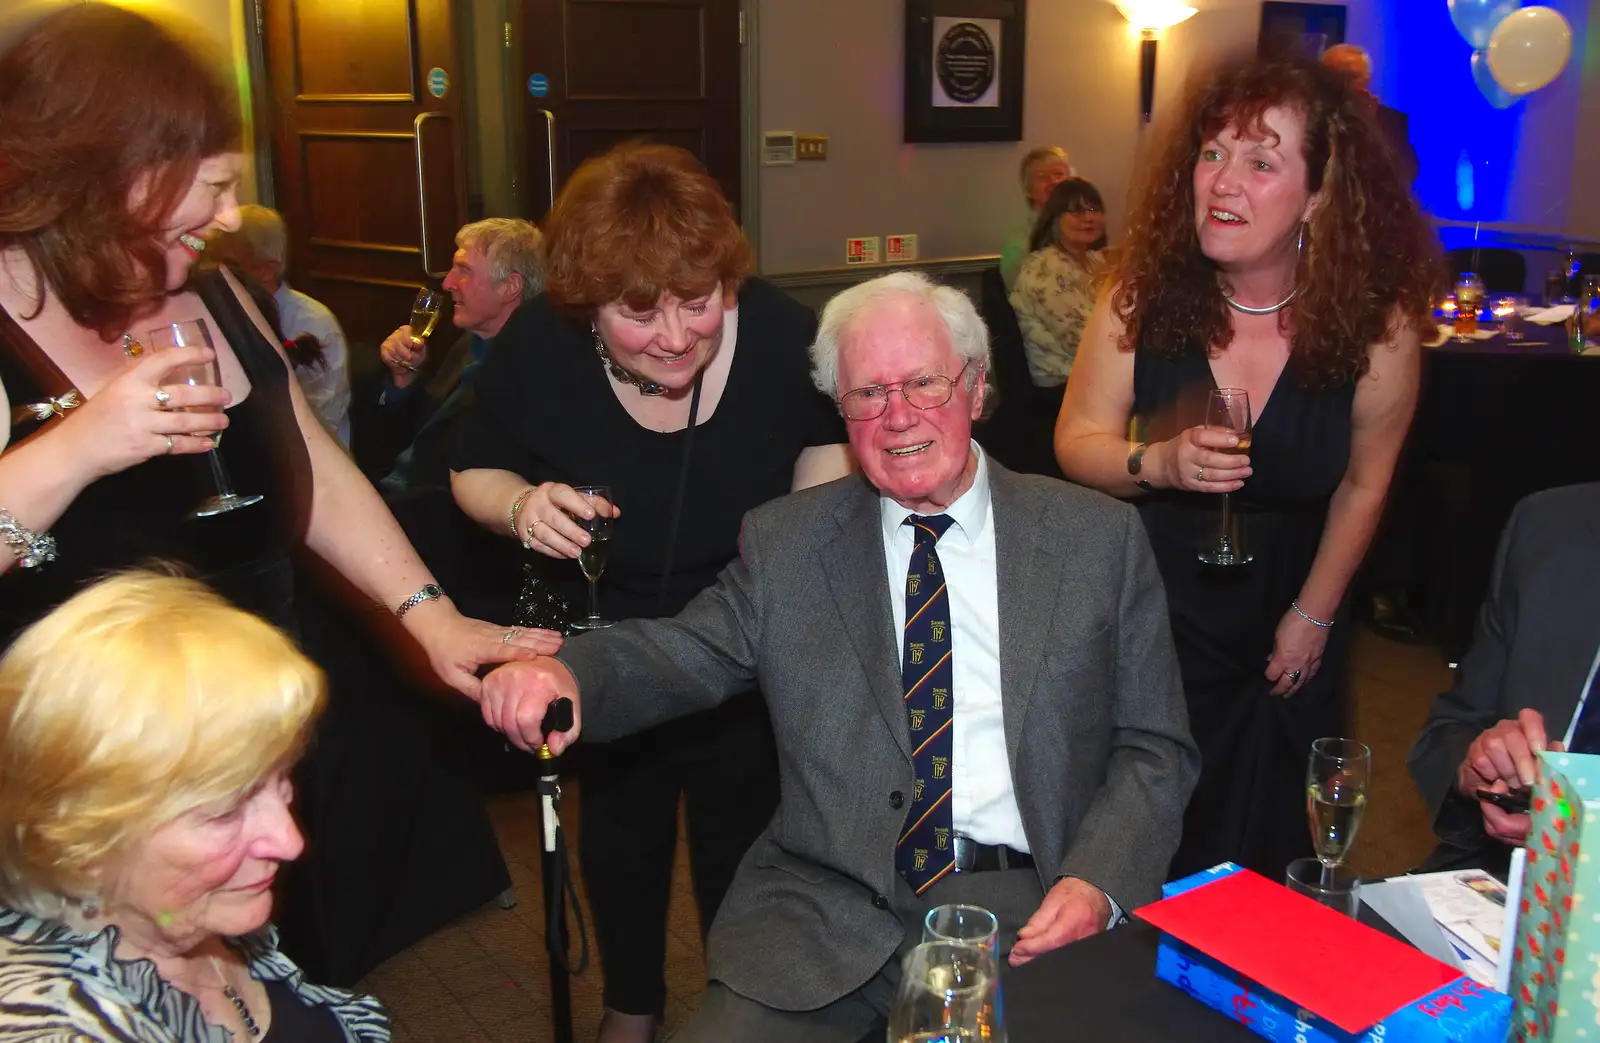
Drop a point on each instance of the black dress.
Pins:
(397, 843)
(546, 411)
(1249, 805)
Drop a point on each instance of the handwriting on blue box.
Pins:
(538, 85)
(438, 82)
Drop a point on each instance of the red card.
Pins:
(1330, 964)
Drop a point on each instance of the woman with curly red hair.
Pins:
(1273, 248)
(652, 365)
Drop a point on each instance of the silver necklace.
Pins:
(1227, 295)
(622, 376)
(245, 1016)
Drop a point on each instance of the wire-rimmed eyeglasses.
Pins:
(925, 392)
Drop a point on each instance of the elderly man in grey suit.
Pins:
(969, 672)
(1519, 686)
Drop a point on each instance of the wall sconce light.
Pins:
(1150, 17)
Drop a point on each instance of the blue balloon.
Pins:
(1490, 88)
(1476, 19)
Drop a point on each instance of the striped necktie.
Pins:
(926, 851)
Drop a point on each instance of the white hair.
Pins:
(968, 335)
(509, 244)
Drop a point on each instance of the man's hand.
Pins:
(404, 354)
(1503, 758)
(1073, 909)
(516, 697)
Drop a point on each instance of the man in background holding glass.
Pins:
(1519, 687)
(496, 269)
(924, 759)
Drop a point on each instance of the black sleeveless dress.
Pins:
(398, 842)
(1249, 805)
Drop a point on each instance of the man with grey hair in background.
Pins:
(495, 270)
(970, 674)
(260, 250)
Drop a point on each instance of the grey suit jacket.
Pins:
(1535, 640)
(1096, 731)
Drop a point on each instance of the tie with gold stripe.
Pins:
(926, 853)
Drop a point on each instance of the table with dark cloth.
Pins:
(1497, 420)
(1105, 987)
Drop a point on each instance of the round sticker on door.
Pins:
(438, 82)
(538, 85)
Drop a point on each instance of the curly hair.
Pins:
(1369, 260)
(639, 221)
(98, 105)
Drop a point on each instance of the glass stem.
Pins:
(1226, 539)
(594, 598)
(219, 474)
(1327, 877)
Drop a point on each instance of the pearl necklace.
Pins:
(622, 376)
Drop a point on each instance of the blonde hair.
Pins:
(1042, 154)
(140, 699)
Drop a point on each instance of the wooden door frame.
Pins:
(750, 123)
(260, 100)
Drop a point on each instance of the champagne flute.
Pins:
(1229, 409)
(1336, 798)
(592, 559)
(946, 995)
(196, 334)
(425, 312)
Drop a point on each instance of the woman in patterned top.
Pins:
(147, 729)
(1055, 290)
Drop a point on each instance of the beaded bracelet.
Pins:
(1308, 617)
(516, 508)
(31, 548)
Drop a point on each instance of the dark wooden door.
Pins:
(367, 144)
(664, 70)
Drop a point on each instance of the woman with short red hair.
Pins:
(654, 366)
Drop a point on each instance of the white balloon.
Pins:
(1529, 48)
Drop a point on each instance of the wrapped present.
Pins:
(1294, 971)
(1555, 969)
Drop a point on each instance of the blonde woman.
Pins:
(147, 729)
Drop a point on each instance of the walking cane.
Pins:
(556, 877)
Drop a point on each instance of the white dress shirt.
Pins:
(983, 801)
(327, 387)
(983, 804)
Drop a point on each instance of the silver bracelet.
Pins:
(1308, 617)
(32, 549)
(516, 509)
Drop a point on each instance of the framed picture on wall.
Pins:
(1299, 30)
(964, 70)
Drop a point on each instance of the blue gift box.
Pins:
(1461, 1012)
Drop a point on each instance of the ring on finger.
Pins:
(169, 445)
(1200, 475)
(1294, 677)
(163, 398)
(513, 632)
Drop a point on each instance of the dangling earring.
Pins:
(1300, 244)
(91, 907)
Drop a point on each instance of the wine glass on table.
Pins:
(1229, 410)
(1337, 776)
(592, 558)
(196, 334)
(946, 995)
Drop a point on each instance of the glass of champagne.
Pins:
(425, 312)
(1229, 409)
(195, 334)
(592, 559)
(946, 995)
(971, 924)
(1336, 798)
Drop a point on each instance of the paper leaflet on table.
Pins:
(1261, 954)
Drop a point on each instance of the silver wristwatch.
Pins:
(428, 593)
(31, 548)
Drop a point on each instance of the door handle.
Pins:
(422, 192)
(550, 150)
